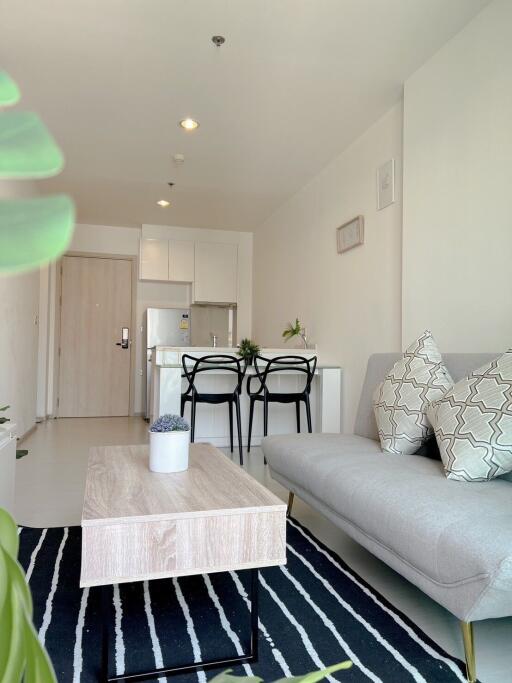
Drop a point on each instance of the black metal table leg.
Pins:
(251, 656)
(254, 614)
(105, 613)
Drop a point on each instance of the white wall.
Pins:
(457, 243)
(103, 239)
(349, 303)
(19, 305)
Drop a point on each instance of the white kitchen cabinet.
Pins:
(154, 259)
(216, 272)
(181, 261)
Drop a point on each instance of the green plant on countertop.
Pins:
(227, 677)
(20, 453)
(247, 349)
(22, 657)
(296, 330)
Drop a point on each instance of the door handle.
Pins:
(125, 338)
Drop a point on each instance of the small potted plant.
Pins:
(247, 349)
(296, 330)
(169, 439)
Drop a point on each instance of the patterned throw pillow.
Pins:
(473, 423)
(400, 401)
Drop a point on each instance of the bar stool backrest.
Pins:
(193, 366)
(264, 367)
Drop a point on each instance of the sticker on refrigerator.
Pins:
(183, 324)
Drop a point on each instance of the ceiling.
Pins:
(294, 84)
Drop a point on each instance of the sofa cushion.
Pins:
(473, 423)
(406, 504)
(459, 365)
(400, 401)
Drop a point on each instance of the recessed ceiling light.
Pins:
(189, 124)
(163, 202)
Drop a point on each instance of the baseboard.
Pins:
(27, 433)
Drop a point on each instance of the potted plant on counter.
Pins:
(247, 349)
(169, 439)
(296, 330)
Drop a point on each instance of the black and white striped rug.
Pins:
(315, 611)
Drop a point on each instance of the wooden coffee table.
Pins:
(138, 525)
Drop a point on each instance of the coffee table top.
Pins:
(121, 488)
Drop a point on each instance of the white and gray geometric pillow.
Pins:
(473, 423)
(400, 402)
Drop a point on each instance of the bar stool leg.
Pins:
(297, 411)
(230, 404)
(239, 429)
(308, 413)
(192, 419)
(265, 423)
(251, 415)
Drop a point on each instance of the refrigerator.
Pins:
(162, 327)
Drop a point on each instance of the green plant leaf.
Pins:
(21, 453)
(19, 584)
(3, 597)
(316, 675)
(293, 330)
(3, 420)
(313, 677)
(11, 624)
(9, 91)
(27, 150)
(39, 668)
(21, 653)
(9, 539)
(34, 231)
(227, 677)
(4, 408)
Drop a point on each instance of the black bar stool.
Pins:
(280, 364)
(192, 367)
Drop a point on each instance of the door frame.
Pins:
(58, 307)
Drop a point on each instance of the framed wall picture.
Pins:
(350, 234)
(386, 184)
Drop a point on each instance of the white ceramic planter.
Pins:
(168, 451)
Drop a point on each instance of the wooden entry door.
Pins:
(96, 303)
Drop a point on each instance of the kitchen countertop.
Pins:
(232, 349)
(170, 356)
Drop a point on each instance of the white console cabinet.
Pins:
(7, 466)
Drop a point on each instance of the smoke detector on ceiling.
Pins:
(179, 158)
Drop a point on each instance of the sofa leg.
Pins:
(291, 496)
(469, 650)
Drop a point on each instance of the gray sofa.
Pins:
(451, 539)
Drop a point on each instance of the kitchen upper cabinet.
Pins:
(154, 259)
(216, 272)
(181, 261)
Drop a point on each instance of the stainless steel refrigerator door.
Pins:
(163, 327)
(168, 327)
